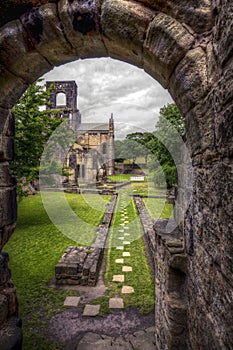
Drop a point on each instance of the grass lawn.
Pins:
(37, 245)
(158, 208)
(123, 177)
(34, 248)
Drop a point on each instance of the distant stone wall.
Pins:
(147, 225)
(81, 265)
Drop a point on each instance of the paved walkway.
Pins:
(124, 329)
(141, 340)
(123, 238)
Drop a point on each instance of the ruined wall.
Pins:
(187, 47)
(10, 324)
(208, 223)
(171, 305)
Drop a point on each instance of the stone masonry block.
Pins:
(22, 62)
(53, 44)
(8, 206)
(12, 87)
(189, 84)
(11, 334)
(5, 234)
(81, 25)
(166, 43)
(6, 122)
(6, 179)
(3, 308)
(199, 18)
(124, 25)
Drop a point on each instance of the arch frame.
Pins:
(188, 48)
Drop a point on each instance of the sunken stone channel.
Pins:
(81, 265)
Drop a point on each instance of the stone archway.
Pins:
(187, 47)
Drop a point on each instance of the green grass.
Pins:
(123, 177)
(37, 245)
(158, 208)
(34, 248)
(140, 278)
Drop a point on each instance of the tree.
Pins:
(145, 139)
(33, 127)
(163, 145)
(128, 149)
(170, 119)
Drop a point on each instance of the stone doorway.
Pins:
(187, 47)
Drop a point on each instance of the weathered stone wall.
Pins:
(171, 293)
(81, 265)
(147, 226)
(10, 324)
(208, 223)
(187, 47)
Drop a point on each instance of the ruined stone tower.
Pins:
(68, 90)
(92, 154)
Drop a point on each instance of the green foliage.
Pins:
(167, 135)
(33, 127)
(129, 149)
(169, 131)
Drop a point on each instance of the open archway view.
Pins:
(122, 280)
(187, 48)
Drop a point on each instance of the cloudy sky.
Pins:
(108, 86)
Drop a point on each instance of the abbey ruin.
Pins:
(91, 157)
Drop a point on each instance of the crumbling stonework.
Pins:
(147, 226)
(81, 265)
(171, 292)
(10, 330)
(187, 47)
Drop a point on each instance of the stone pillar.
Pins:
(10, 325)
(111, 151)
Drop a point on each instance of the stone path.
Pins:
(140, 340)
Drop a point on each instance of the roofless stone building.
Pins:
(92, 154)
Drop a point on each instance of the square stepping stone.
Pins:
(116, 303)
(91, 310)
(127, 269)
(121, 230)
(121, 238)
(71, 301)
(126, 254)
(127, 290)
(126, 242)
(122, 224)
(120, 248)
(119, 261)
(118, 278)
(127, 234)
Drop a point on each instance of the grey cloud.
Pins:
(107, 85)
